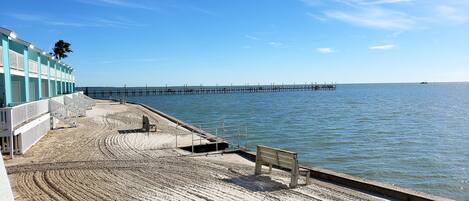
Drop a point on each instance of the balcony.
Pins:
(17, 68)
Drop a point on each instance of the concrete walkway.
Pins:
(5, 188)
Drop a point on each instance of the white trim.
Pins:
(33, 75)
(31, 124)
(17, 72)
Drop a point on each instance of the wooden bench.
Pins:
(146, 126)
(281, 158)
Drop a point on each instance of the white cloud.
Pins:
(376, 2)
(251, 37)
(392, 15)
(275, 44)
(121, 3)
(382, 47)
(325, 50)
(453, 14)
(375, 18)
(201, 10)
(317, 17)
(82, 22)
(134, 60)
(193, 9)
(311, 2)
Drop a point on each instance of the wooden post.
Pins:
(216, 139)
(258, 162)
(192, 142)
(308, 175)
(200, 136)
(294, 172)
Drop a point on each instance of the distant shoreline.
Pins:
(358, 83)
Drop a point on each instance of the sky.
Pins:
(223, 42)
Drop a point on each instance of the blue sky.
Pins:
(159, 42)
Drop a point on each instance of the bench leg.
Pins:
(308, 175)
(270, 168)
(294, 173)
(258, 168)
(294, 178)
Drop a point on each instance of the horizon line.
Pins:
(335, 83)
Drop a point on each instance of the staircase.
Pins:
(65, 113)
(87, 101)
(76, 104)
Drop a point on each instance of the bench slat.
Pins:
(276, 160)
(281, 163)
(273, 150)
(279, 155)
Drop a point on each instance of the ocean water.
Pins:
(411, 135)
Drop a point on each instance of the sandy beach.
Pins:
(107, 158)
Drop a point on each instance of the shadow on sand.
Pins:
(257, 183)
(128, 131)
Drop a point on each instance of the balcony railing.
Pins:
(16, 61)
(52, 72)
(44, 69)
(5, 113)
(32, 66)
(12, 117)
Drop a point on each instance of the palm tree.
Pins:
(61, 49)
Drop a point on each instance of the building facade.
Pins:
(37, 91)
(29, 73)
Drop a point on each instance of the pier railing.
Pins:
(190, 90)
(233, 135)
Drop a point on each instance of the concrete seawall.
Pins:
(187, 126)
(368, 186)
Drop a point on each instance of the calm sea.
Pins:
(411, 135)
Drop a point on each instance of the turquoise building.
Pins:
(29, 73)
(37, 91)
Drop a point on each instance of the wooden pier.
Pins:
(190, 90)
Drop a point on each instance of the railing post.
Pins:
(200, 137)
(56, 91)
(6, 69)
(246, 137)
(49, 88)
(216, 139)
(26, 73)
(61, 80)
(192, 142)
(39, 74)
(238, 138)
(9, 120)
(177, 131)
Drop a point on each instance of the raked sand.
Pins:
(104, 158)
